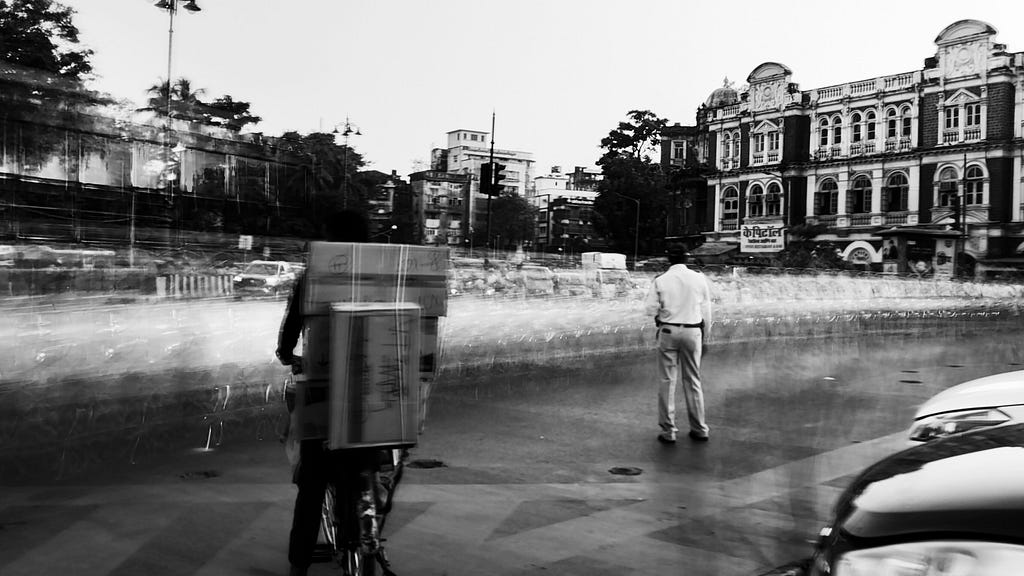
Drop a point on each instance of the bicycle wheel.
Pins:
(327, 525)
(357, 540)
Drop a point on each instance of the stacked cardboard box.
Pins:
(391, 276)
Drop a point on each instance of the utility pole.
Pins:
(490, 192)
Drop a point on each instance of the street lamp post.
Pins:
(636, 235)
(350, 130)
(171, 6)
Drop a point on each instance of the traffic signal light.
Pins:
(498, 177)
(486, 178)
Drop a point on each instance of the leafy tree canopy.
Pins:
(512, 218)
(186, 103)
(40, 34)
(631, 176)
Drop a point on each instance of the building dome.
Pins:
(724, 96)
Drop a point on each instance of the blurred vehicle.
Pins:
(951, 507)
(536, 279)
(658, 264)
(264, 278)
(605, 283)
(996, 400)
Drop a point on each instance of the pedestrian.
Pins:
(316, 465)
(680, 301)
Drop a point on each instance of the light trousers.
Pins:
(679, 351)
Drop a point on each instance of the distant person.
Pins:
(891, 252)
(315, 463)
(680, 301)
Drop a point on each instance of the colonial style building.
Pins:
(918, 171)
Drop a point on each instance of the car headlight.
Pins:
(941, 425)
(237, 278)
(947, 558)
(273, 281)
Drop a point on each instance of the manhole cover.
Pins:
(910, 381)
(625, 471)
(426, 464)
(954, 365)
(909, 371)
(199, 475)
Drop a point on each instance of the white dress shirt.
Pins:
(680, 296)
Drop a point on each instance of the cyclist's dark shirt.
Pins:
(291, 326)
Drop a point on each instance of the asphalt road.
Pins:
(526, 485)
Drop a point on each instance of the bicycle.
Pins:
(356, 503)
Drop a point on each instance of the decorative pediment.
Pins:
(960, 96)
(765, 126)
(964, 31)
(768, 71)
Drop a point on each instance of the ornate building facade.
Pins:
(919, 171)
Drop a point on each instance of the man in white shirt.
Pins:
(680, 301)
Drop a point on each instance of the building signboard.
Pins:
(762, 238)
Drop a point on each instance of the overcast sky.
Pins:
(559, 74)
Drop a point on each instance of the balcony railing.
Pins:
(973, 133)
(860, 219)
(822, 154)
(773, 157)
(757, 158)
(896, 217)
(950, 136)
(730, 224)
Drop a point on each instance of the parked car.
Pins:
(536, 279)
(947, 507)
(996, 400)
(264, 278)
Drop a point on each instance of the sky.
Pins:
(558, 75)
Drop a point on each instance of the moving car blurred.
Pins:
(996, 400)
(950, 507)
(265, 278)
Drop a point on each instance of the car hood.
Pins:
(1005, 389)
(967, 484)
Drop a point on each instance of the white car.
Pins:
(996, 400)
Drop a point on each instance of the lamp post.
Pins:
(636, 235)
(387, 233)
(350, 130)
(171, 6)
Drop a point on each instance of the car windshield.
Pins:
(261, 268)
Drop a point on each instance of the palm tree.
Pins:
(184, 101)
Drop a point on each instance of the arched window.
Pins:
(974, 187)
(730, 203)
(949, 186)
(897, 189)
(826, 199)
(773, 200)
(870, 119)
(726, 146)
(858, 129)
(906, 121)
(860, 195)
(755, 201)
(891, 123)
(823, 132)
(837, 131)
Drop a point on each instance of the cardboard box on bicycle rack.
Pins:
(316, 347)
(355, 272)
(374, 398)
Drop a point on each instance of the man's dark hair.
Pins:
(345, 226)
(677, 254)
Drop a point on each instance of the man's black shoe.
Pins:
(697, 437)
(666, 438)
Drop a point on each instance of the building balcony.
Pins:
(866, 88)
(863, 219)
(729, 224)
(972, 134)
(826, 219)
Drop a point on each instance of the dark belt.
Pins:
(700, 325)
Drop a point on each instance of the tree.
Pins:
(512, 219)
(230, 113)
(630, 173)
(187, 104)
(40, 34)
(332, 181)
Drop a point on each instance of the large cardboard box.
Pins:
(347, 272)
(374, 398)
